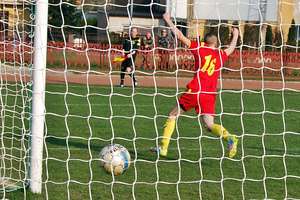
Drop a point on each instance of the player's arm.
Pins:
(232, 45)
(176, 31)
(137, 45)
(124, 47)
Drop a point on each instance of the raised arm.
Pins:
(176, 31)
(232, 45)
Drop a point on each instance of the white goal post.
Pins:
(22, 122)
(38, 95)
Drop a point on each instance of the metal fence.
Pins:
(99, 57)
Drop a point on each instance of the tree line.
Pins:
(63, 17)
(252, 35)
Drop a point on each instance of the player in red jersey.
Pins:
(202, 89)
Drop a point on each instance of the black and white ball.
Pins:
(115, 158)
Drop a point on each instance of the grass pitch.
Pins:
(81, 120)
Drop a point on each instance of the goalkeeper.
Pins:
(201, 90)
(130, 47)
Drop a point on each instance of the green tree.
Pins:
(224, 32)
(247, 35)
(211, 26)
(292, 34)
(269, 38)
(64, 14)
(92, 22)
(251, 34)
(278, 38)
(221, 30)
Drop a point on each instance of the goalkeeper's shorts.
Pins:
(128, 62)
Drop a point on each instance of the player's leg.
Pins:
(130, 72)
(169, 128)
(207, 106)
(186, 102)
(216, 129)
(122, 73)
(222, 132)
(124, 66)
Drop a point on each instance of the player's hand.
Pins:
(167, 16)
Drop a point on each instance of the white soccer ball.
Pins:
(115, 158)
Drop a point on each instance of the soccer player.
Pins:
(130, 47)
(201, 90)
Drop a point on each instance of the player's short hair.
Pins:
(210, 38)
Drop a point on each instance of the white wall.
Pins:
(117, 24)
(234, 9)
(297, 12)
(177, 8)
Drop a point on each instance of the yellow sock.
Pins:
(168, 131)
(220, 131)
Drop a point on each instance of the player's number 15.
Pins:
(209, 65)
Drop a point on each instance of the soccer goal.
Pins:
(77, 76)
(23, 62)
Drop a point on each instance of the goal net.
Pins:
(54, 146)
(15, 92)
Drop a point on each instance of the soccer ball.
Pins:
(115, 158)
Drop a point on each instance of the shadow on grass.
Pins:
(144, 154)
(73, 144)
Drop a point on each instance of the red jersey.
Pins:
(208, 63)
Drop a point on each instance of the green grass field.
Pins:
(79, 125)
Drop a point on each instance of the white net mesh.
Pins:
(16, 58)
(86, 109)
